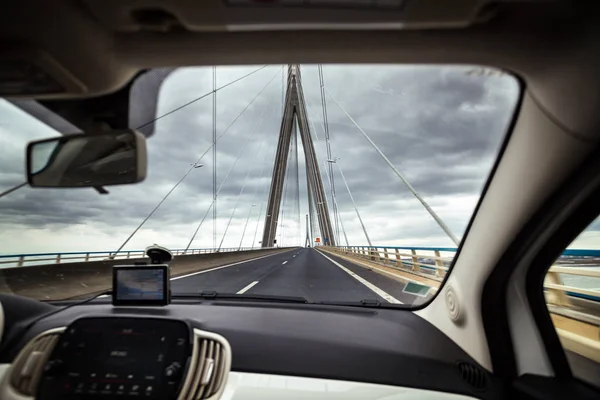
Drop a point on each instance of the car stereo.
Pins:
(118, 357)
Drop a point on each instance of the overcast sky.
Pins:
(440, 126)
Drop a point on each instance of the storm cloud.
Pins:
(441, 126)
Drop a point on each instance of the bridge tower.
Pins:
(295, 113)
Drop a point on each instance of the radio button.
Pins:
(53, 367)
(106, 389)
(172, 370)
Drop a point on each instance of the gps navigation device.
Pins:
(140, 285)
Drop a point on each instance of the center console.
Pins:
(124, 357)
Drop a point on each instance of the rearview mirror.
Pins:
(87, 160)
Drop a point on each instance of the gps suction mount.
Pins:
(158, 254)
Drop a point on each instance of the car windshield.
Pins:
(332, 183)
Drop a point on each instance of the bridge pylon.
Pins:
(295, 113)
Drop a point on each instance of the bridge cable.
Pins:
(262, 203)
(312, 216)
(19, 186)
(282, 213)
(222, 183)
(344, 232)
(193, 166)
(335, 161)
(340, 217)
(292, 175)
(264, 163)
(214, 157)
(336, 205)
(311, 203)
(12, 189)
(328, 146)
(252, 205)
(201, 97)
(437, 219)
(334, 197)
(315, 227)
(226, 177)
(237, 201)
(296, 186)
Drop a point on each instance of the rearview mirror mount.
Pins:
(87, 160)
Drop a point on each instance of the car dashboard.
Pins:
(230, 350)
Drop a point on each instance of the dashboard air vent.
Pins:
(27, 368)
(210, 364)
(472, 375)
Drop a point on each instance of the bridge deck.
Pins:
(306, 273)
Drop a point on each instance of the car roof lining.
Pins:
(557, 65)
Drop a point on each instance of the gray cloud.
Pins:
(439, 125)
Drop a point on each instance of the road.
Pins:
(303, 272)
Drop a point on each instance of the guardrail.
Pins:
(570, 287)
(557, 292)
(24, 260)
(431, 262)
(434, 262)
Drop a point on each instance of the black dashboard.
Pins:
(382, 346)
(105, 356)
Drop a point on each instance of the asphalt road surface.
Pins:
(303, 272)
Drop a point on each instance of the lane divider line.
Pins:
(386, 296)
(244, 290)
(283, 262)
(214, 269)
(224, 266)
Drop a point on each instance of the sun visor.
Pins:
(45, 116)
(27, 72)
(143, 100)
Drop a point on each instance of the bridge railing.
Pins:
(558, 289)
(576, 274)
(571, 286)
(430, 262)
(24, 260)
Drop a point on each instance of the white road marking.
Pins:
(283, 262)
(214, 269)
(396, 276)
(294, 255)
(244, 290)
(223, 266)
(386, 296)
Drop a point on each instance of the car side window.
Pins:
(572, 292)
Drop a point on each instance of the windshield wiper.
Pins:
(363, 302)
(211, 294)
(369, 303)
(214, 295)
